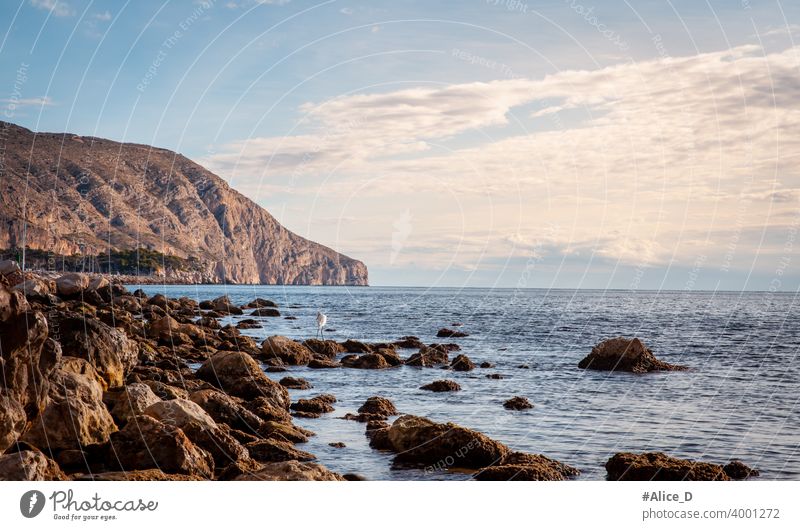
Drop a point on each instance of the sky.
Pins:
(472, 143)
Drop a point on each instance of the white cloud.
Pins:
(56, 7)
(103, 17)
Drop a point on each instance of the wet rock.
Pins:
(287, 350)
(428, 357)
(354, 346)
(445, 332)
(239, 375)
(71, 284)
(462, 363)
(419, 440)
(409, 342)
(258, 303)
(223, 305)
(265, 312)
(208, 322)
(296, 383)
(625, 355)
(266, 411)
(317, 405)
(377, 433)
(226, 409)
(495, 376)
(130, 401)
(29, 465)
(271, 450)
(291, 470)
(248, 323)
(486, 364)
(324, 348)
(318, 363)
(338, 445)
(518, 472)
(75, 416)
(367, 361)
(658, 466)
(284, 431)
(147, 443)
(107, 349)
(378, 405)
(518, 403)
(442, 385)
(738, 470)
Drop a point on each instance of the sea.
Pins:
(738, 400)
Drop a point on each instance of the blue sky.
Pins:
(514, 143)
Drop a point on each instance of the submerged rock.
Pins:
(518, 403)
(445, 332)
(296, 383)
(378, 405)
(658, 466)
(442, 385)
(625, 355)
(738, 470)
(428, 356)
(462, 363)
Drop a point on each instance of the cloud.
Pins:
(102, 17)
(55, 7)
(624, 159)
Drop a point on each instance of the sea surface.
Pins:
(738, 400)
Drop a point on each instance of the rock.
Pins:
(284, 431)
(378, 405)
(271, 450)
(338, 445)
(486, 364)
(239, 375)
(291, 470)
(495, 376)
(368, 361)
(266, 411)
(218, 441)
(409, 342)
(324, 348)
(317, 405)
(13, 421)
(625, 355)
(208, 322)
(248, 323)
(419, 440)
(354, 477)
(179, 412)
(9, 267)
(167, 328)
(29, 465)
(297, 383)
(738, 470)
(518, 403)
(265, 312)
(34, 288)
(323, 363)
(658, 466)
(131, 401)
(354, 346)
(259, 302)
(518, 472)
(147, 443)
(223, 305)
(445, 332)
(428, 357)
(462, 363)
(136, 476)
(225, 409)
(71, 284)
(165, 391)
(75, 416)
(442, 385)
(287, 350)
(107, 349)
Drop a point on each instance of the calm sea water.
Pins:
(739, 400)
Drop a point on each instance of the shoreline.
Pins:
(117, 363)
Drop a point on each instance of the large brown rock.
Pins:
(75, 416)
(29, 465)
(325, 348)
(272, 450)
(108, 349)
(239, 374)
(442, 385)
(226, 409)
(138, 475)
(428, 357)
(179, 412)
(525, 466)
(71, 284)
(291, 470)
(422, 441)
(378, 405)
(130, 401)
(658, 466)
(147, 443)
(625, 355)
(287, 350)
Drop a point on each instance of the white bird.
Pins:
(322, 319)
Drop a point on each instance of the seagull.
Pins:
(322, 319)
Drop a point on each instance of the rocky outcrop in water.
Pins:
(625, 355)
(658, 466)
(79, 195)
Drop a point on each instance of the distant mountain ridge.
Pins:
(86, 195)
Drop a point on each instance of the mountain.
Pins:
(85, 195)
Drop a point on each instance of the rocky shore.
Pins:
(97, 384)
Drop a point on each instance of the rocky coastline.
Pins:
(97, 385)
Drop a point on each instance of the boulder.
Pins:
(354, 346)
(238, 374)
(266, 411)
(324, 348)
(259, 302)
(446, 332)
(321, 363)
(271, 450)
(284, 432)
(526, 466)
(658, 466)
(367, 361)
(131, 401)
(409, 342)
(297, 383)
(625, 355)
(180, 412)
(265, 312)
(223, 305)
(428, 357)
(29, 465)
(462, 363)
(518, 403)
(140, 475)
(147, 443)
(34, 288)
(225, 409)
(9, 267)
(317, 405)
(287, 350)
(75, 416)
(738, 470)
(13, 421)
(71, 284)
(291, 470)
(442, 385)
(419, 440)
(218, 440)
(248, 323)
(378, 405)
(107, 349)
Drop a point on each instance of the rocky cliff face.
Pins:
(84, 195)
